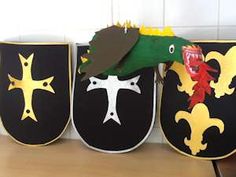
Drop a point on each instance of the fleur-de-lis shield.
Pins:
(35, 91)
(206, 131)
(114, 114)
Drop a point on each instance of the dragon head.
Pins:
(169, 48)
(176, 49)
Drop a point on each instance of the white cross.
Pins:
(112, 85)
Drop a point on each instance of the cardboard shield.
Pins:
(35, 84)
(206, 131)
(114, 114)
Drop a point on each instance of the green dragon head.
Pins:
(173, 49)
(163, 46)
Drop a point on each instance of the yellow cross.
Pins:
(27, 84)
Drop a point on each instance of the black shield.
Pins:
(35, 91)
(208, 130)
(114, 114)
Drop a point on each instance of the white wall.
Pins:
(77, 20)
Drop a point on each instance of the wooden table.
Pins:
(227, 167)
(71, 158)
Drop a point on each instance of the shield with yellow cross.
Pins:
(208, 130)
(35, 91)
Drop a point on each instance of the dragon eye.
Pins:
(172, 48)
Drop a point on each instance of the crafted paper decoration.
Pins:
(121, 51)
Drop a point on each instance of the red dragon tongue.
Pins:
(198, 71)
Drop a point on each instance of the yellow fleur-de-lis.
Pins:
(185, 79)
(199, 121)
(227, 64)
